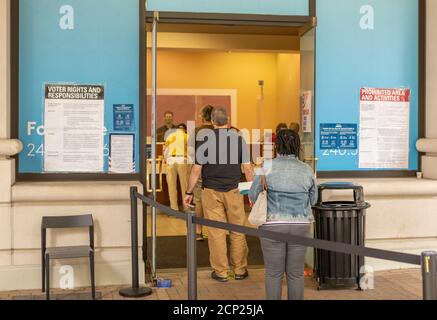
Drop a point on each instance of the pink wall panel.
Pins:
(185, 108)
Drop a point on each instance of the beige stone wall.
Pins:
(108, 203)
(431, 70)
(20, 235)
(6, 166)
(4, 69)
(429, 145)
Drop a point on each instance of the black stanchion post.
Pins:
(429, 275)
(191, 257)
(135, 291)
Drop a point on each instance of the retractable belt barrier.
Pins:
(303, 241)
(427, 260)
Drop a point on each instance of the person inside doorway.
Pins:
(279, 127)
(168, 125)
(205, 116)
(175, 154)
(220, 163)
(294, 126)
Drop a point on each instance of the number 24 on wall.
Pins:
(339, 152)
(33, 150)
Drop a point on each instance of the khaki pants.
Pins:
(225, 207)
(173, 171)
(197, 200)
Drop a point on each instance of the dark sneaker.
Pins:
(218, 278)
(242, 276)
(201, 237)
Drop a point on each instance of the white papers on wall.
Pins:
(74, 128)
(384, 128)
(122, 153)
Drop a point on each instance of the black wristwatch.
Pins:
(188, 193)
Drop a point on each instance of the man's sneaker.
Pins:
(218, 278)
(241, 276)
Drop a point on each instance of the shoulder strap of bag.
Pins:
(264, 182)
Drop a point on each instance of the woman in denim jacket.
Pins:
(291, 191)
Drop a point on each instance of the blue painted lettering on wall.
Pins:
(76, 42)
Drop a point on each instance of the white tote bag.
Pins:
(258, 214)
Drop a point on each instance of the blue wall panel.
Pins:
(349, 58)
(273, 7)
(103, 48)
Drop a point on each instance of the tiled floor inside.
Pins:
(388, 285)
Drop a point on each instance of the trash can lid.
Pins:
(339, 186)
(341, 206)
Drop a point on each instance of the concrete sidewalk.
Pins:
(389, 285)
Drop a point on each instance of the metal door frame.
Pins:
(305, 23)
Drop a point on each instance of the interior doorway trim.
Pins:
(230, 19)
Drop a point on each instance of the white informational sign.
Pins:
(384, 128)
(74, 128)
(122, 153)
(307, 112)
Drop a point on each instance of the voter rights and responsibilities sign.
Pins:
(384, 128)
(74, 128)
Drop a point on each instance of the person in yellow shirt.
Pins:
(175, 153)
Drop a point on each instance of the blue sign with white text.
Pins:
(124, 119)
(338, 136)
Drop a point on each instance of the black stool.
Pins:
(68, 222)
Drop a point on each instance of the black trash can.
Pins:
(339, 221)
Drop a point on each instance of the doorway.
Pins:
(261, 70)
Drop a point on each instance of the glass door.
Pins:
(307, 71)
(153, 162)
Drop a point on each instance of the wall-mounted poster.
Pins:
(338, 136)
(122, 153)
(74, 128)
(307, 119)
(124, 117)
(384, 128)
